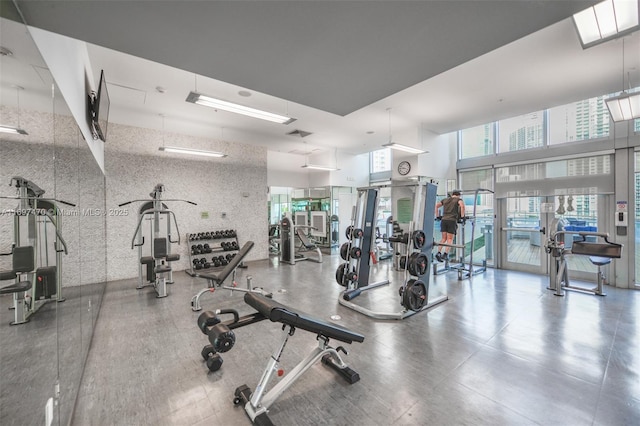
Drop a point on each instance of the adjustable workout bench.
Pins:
(216, 280)
(222, 339)
(308, 246)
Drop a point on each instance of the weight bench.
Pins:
(216, 280)
(222, 339)
(308, 246)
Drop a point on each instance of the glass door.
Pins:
(521, 239)
(522, 244)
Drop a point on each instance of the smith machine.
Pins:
(415, 262)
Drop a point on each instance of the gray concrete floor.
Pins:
(502, 350)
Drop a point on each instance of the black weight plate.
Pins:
(344, 249)
(419, 239)
(415, 295)
(358, 233)
(418, 264)
(340, 272)
(221, 338)
(206, 351)
(214, 363)
(347, 232)
(356, 253)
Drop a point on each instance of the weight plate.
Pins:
(206, 351)
(340, 274)
(347, 232)
(344, 249)
(418, 264)
(358, 233)
(419, 239)
(415, 295)
(356, 253)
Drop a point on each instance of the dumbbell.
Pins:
(222, 340)
(233, 233)
(196, 264)
(216, 235)
(193, 249)
(215, 262)
(224, 261)
(206, 248)
(229, 257)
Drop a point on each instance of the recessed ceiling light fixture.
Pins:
(606, 20)
(200, 99)
(192, 151)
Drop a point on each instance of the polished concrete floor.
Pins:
(502, 350)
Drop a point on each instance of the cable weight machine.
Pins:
(415, 294)
(159, 257)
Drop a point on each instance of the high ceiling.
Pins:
(336, 66)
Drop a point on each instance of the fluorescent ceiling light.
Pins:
(192, 151)
(624, 107)
(315, 167)
(199, 99)
(404, 148)
(12, 130)
(606, 20)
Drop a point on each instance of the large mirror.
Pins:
(52, 237)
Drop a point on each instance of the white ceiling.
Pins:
(337, 67)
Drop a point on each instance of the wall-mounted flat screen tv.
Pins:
(100, 110)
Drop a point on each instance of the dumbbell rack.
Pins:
(215, 246)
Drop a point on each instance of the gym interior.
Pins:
(140, 285)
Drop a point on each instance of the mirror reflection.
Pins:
(52, 237)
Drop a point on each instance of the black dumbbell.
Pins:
(233, 233)
(229, 257)
(234, 245)
(206, 248)
(214, 360)
(224, 261)
(216, 235)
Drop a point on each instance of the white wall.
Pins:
(235, 185)
(440, 161)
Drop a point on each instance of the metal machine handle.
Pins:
(532, 230)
